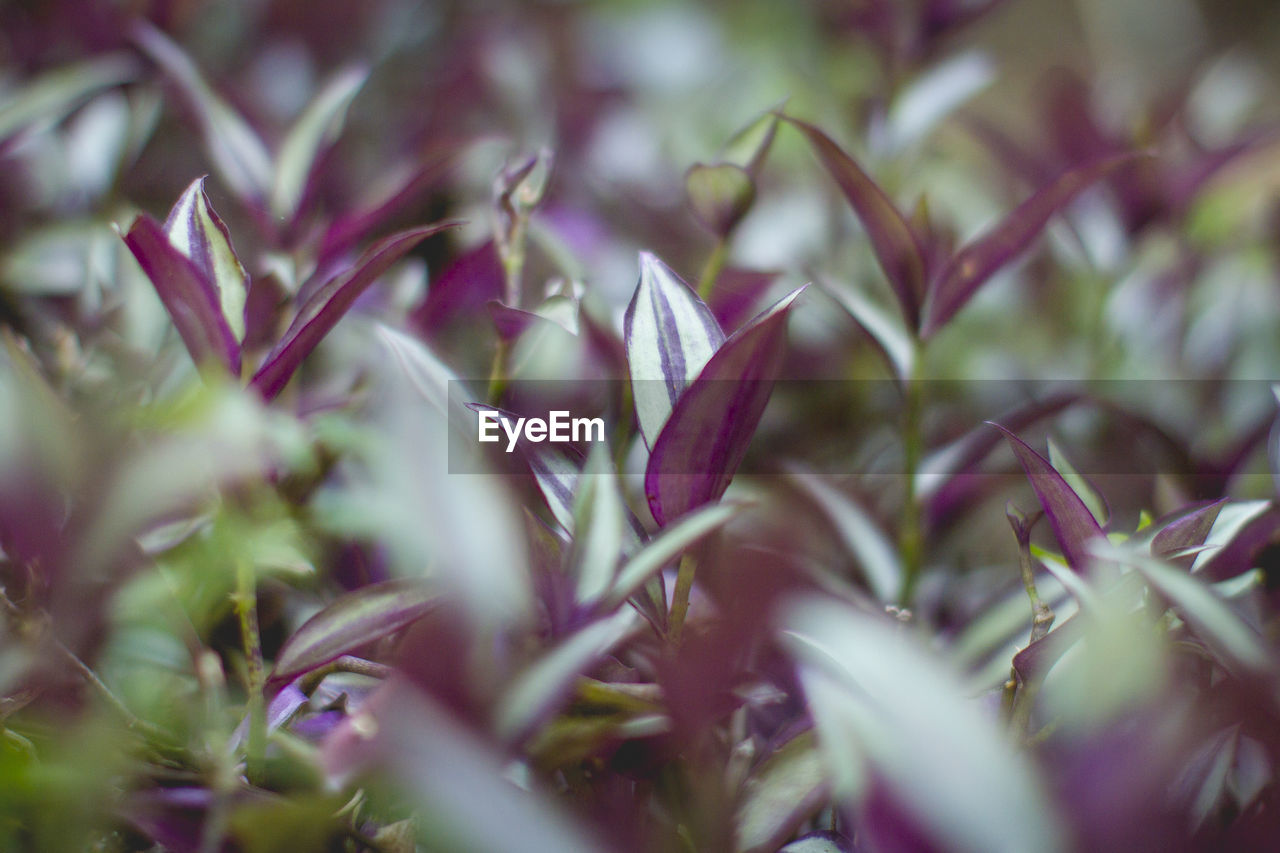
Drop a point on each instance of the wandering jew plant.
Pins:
(889, 467)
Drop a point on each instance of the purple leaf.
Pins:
(974, 265)
(327, 306)
(471, 280)
(1186, 531)
(704, 440)
(367, 614)
(510, 322)
(1072, 522)
(189, 297)
(897, 247)
(670, 335)
(198, 232)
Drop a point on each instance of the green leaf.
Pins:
(318, 126)
(52, 95)
(878, 696)
(785, 790)
(667, 545)
(544, 684)
(1085, 490)
(719, 195)
(599, 523)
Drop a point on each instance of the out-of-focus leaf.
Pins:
(667, 545)
(197, 232)
(1092, 498)
(670, 335)
(973, 265)
(719, 195)
(367, 614)
(317, 127)
(54, 94)
(402, 730)
(751, 145)
(1072, 522)
(545, 684)
(326, 307)
(896, 246)
(188, 296)
(1232, 519)
(877, 696)
(818, 842)
(599, 526)
(60, 260)
(786, 789)
(886, 331)
(865, 541)
(934, 95)
(1187, 531)
(706, 436)
(238, 153)
(1214, 623)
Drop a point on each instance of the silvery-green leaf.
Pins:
(1232, 518)
(52, 95)
(546, 682)
(670, 543)
(878, 696)
(241, 158)
(670, 335)
(599, 527)
(934, 95)
(785, 790)
(196, 230)
(317, 128)
(887, 331)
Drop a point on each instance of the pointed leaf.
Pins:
(673, 541)
(187, 295)
(670, 335)
(545, 684)
(1235, 642)
(879, 697)
(196, 231)
(238, 153)
(886, 331)
(53, 94)
(317, 128)
(598, 524)
(1072, 522)
(1187, 531)
(785, 791)
(357, 618)
(329, 303)
(704, 440)
(1092, 498)
(896, 246)
(719, 195)
(974, 264)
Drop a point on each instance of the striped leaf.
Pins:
(197, 232)
(670, 335)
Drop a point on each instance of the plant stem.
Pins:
(911, 534)
(680, 597)
(247, 610)
(711, 271)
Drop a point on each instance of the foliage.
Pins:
(846, 301)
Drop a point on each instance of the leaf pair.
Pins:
(203, 286)
(698, 395)
(930, 293)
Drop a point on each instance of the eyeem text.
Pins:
(558, 428)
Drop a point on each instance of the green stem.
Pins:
(711, 271)
(247, 610)
(911, 533)
(680, 598)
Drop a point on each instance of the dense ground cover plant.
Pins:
(935, 506)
